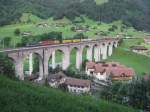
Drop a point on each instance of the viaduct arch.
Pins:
(99, 50)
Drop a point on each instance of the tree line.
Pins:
(135, 93)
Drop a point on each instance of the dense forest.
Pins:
(133, 12)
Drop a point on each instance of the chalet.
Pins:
(122, 74)
(24, 34)
(90, 68)
(81, 29)
(110, 70)
(78, 86)
(73, 85)
(139, 49)
(147, 40)
(54, 80)
(146, 76)
(42, 25)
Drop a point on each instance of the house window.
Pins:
(73, 90)
(91, 72)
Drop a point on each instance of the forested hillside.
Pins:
(132, 12)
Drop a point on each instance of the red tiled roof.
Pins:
(77, 82)
(98, 68)
(122, 72)
(90, 65)
(113, 68)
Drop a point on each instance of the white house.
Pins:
(139, 49)
(78, 86)
(147, 40)
(96, 70)
(54, 80)
(90, 68)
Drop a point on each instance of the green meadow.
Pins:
(64, 25)
(122, 54)
(138, 62)
(101, 1)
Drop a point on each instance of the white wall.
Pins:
(78, 90)
(100, 76)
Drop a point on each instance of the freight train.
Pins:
(54, 42)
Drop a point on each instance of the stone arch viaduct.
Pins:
(99, 50)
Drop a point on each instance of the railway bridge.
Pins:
(96, 50)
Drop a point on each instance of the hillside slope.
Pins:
(18, 96)
(132, 12)
(124, 55)
(138, 62)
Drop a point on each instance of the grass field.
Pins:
(18, 96)
(127, 43)
(94, 27)
(101, 1)
(139, 63)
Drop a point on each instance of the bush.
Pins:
(104, 33)
(113, 28)
(6, 66)
(72, 72)
(56, 70)
(6, 41)
(80, 36)
(72, 29)
(17, 32)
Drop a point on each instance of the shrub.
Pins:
(80, 36)
(17, 32)
(6, 66)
